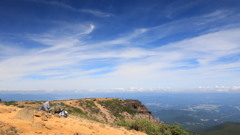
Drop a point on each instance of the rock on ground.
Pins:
(25, 114)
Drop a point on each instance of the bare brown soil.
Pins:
(54, 125)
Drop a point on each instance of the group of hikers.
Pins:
(53, 110)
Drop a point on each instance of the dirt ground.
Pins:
(54, 125)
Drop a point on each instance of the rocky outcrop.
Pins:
(138, 106)
(142, 111)
(124, 109)
(25, 114)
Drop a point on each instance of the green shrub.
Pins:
(81, 103)
(176, 130)
(34, 102)
(73, 110)
(21, 106)
(14, 103)
(151, 127)
(116, 107)
(12, 129)
(90, 104)
(78, 112)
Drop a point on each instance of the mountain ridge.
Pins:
(101, 109)
(120, 114)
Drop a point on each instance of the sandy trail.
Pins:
(105, 112)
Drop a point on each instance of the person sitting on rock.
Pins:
(46, 106)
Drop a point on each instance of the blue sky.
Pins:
(119, 44)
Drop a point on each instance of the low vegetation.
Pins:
(151, 127)
(116, 107)
(20, 106)
(90, 105)
(78, 112)
(8, 103)
(12, 129)
(34, 102)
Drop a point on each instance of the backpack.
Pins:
(63, 113)
(41, 108)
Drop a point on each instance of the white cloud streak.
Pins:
(70, 62)
(94, 12)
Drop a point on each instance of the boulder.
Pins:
(58, 133)
(77, 133)
(19, 131)
(44, 118)
(38, 132)
(37, 113)
(25, 114)
(38, 124)
(49, 127)
(11, 133)
(49, 116)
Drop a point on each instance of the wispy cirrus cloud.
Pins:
(96, 13)
(65, 35)
(71, 61)
(69, 7)
(168, 63)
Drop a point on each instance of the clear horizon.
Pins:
(137, 45)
